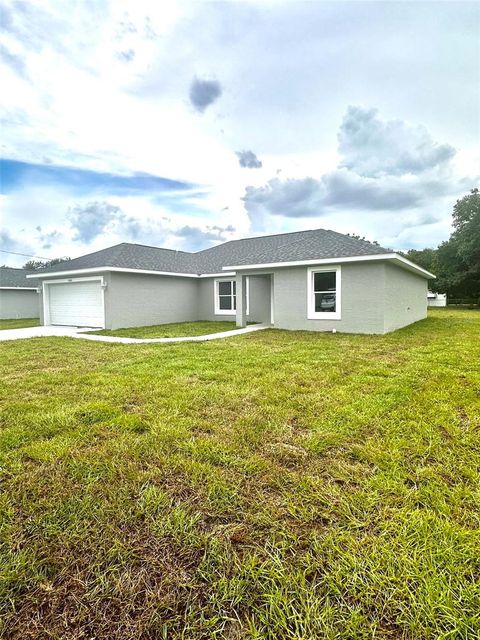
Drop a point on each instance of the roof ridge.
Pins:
(92, 253)
(151, 246)
(17, 269)
(287, 244)
(270, 235)
(348, 235)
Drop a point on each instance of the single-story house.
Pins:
(436, 299)
(316, 280)
(18, 296)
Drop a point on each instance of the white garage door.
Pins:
(76, 303)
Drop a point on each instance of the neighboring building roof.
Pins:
(318, 244)
(15, 278)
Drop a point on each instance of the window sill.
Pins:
(225, 312)
(324, 316)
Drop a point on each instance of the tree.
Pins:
(459, 257)
(428, 259)
(41, 264)
(456, 262)
(355, 235)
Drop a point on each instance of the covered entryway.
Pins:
(256, 290)
(76, 302)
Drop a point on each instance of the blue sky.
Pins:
(16, 175)
(185, 124)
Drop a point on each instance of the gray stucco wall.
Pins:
(206, 301)
(259, 307)
(405, 298)
(362, 299)
(135, 300)
(18, 304)
(376, 298)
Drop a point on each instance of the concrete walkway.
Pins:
(78, 332)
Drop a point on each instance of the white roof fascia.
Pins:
(380, 256)
(20, 288)
(74, 272)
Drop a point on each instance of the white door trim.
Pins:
(272, 305)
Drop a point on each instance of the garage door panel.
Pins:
(76, 303)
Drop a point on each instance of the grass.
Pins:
(173, 330)
(19, 323)
(280, 485)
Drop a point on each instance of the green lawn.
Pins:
(279, 485)
(19, 323)
(173, 330)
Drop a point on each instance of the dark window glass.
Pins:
(325, 281)
(234, 303)
(225, 302)
(234, 287)
(224, 288)
(325, 302)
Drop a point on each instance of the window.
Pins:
(225, 297)
(324, 293)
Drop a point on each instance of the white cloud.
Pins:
(373, 147)
(387, 168)
(105, 86)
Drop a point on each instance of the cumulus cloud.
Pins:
(347, 189)
(374, 147)
(92, 219)
(97, 219)
(385, 166)
(248, 160)
(204, 92)
(292, 198)
(196, 239)
(309, 197)
(10, 243)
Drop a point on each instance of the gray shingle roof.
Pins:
(286, 247)
(131, 256)
(10, 277)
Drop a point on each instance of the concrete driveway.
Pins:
(77, 332)
(38, 332)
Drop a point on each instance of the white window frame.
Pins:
(46, 284)
(324, 315)
(229, 312)
(218, 311)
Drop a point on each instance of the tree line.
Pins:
(41, 264)
(456, 262)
